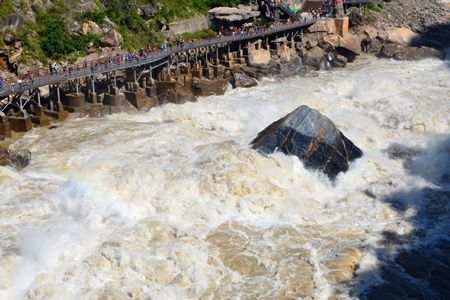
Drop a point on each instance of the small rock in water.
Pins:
(243, 80)
(18, 160)
(312, 137)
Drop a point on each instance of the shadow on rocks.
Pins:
(437, 37)
(415, 265)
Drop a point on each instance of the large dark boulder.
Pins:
(310, 136)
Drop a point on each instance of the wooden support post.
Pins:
(39, 98)
(115, 80)
(134, 73)
(93, 84)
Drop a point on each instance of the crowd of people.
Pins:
(57, 69)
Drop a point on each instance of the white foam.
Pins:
(190, 167)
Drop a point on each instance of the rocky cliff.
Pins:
(36, 32)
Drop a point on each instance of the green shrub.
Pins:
(124, 13)
(6, 7)
(96, 16)
(202, 34)
(373, 7)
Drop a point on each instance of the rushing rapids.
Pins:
(174, 204)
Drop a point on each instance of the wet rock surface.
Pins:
(242, 80)
(311, 137)
(19, 159)
(4, 156)
(314, 57)
(396, 51)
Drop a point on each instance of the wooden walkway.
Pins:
(106, 66)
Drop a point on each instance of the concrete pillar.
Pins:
(342, 25)
(20, 123)
(58, 95)
(217, 54)
(73, 102)
(5, 129)
(40, 118)
(93, 84)
(115, 98)
(339, 4)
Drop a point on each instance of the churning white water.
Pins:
(173, 203)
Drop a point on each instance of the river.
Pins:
(173, 203)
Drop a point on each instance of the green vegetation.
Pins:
(374, 7)
(97, 16)
(6, 7)
(53, 39)
(203, 34)
(52, 35)
(369, 16)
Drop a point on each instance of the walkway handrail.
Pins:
(112, 64)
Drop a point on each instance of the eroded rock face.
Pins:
(311, 137)
(399, 52)
(111, 39)
(402, 36)
(232, 14)
(356, 18)
(314, 57)
(91, 28)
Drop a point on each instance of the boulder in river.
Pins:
(18, 160)
(314, 57)
(312, 137)
(243, 80)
